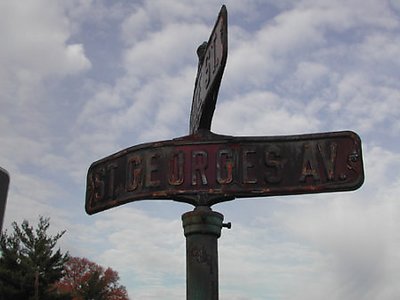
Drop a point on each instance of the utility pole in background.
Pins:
(4, 183)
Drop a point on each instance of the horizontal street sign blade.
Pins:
(209, 76)
(222, 168)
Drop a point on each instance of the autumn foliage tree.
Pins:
(84, 279)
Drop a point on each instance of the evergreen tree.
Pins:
(29, 265)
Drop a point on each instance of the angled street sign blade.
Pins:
(211, 68)
(226, 167)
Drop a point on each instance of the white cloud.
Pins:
(371, 105)
(35, 50)
(148, 252)
(163, 52)
(136, 26)
(263, 114)
(75, 55)
(37, 40)
(355, 241)
(310, 73)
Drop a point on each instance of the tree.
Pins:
(85, 279)
(29, 266)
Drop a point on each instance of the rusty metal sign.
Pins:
(222, 168)
(204, 168)
(4, 182)
(211, 68)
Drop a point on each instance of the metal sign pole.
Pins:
(202, 228)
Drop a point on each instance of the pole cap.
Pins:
(202, 220)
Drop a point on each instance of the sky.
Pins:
(82, 79)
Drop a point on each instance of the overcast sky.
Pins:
(82, 79)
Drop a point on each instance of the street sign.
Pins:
(226, 167)
(4, 182)
(209, 75)
(204, 168)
